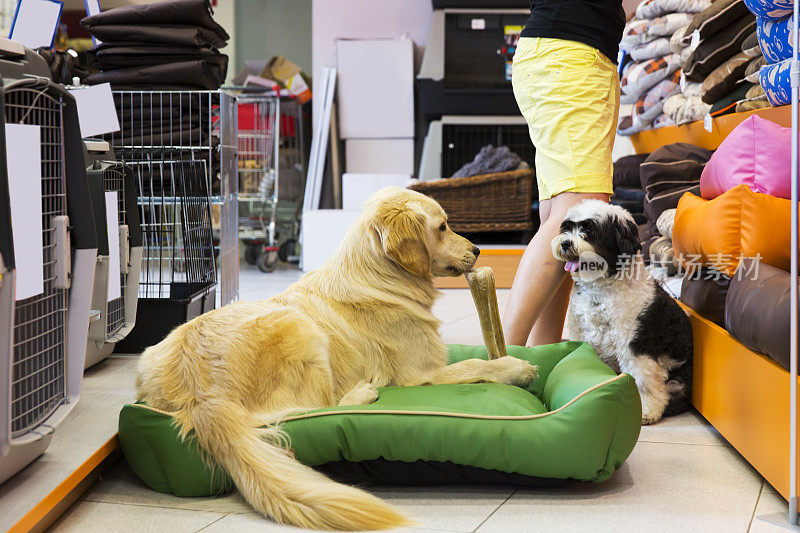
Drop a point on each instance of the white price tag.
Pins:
(708, 125)
(97, 113)
(695, 39)
(478, 24)
(112, 226)
(683, 81)
(24, 160)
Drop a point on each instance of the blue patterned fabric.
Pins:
(775, 81)
(770, 9)
(774, 36)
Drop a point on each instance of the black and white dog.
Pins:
(621, 311)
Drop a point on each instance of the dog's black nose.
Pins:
(566, 245)
(476, 251)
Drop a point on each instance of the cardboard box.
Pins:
(375, 90)
(357, 188)
(290, 75)
(323, 230)
(379, 156)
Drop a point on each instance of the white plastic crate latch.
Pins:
(62, 267)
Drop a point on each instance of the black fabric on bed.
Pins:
(208, 73)
(382, 471)
(172, 34)
(186, 12)
(626, 170)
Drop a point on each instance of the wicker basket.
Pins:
(490, 202)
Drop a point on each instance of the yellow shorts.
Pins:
(568, 93)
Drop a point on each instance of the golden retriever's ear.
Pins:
(402, 234)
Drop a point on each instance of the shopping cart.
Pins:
(269, 207)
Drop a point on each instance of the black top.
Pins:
(598, 23)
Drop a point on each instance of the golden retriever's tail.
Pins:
(275, 483)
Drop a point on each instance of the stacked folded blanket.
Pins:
(710, 65)
(171, 44)
(653, 72)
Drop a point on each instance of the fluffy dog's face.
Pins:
(412, 231)
(594, 228)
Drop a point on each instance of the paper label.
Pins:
(683, 81)
(478, 24)
(112, 226)
(707, 123)
(97, 113)
(24, 160)
(695, 39)
(35, 22)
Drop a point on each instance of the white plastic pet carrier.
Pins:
(40, 376)
(455, 140)
(116, 306)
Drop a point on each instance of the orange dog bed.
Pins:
(738, 223)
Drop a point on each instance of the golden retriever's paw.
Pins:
(516, 372)
(364, 393)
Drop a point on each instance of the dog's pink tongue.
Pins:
(571, 266)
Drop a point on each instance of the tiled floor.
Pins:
(682, 476)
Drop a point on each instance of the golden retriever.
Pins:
(361, 321)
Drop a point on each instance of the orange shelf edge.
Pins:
(694, 133)
(745, 396)
(49, 509)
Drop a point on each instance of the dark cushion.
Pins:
(727, 104)
(753, 68)
(206, 73)
(166, 34)
(718, 48)
(715, 18)
(184, 12)
(110, 55)
(724, 78)
(626, 170)
(704, 290)
(668, 173)
(757, 309)
(750, 45)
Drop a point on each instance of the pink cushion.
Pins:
(757, 154)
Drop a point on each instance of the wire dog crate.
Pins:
(117, 314)
(271, 144)
(173, 141)
(49, 329)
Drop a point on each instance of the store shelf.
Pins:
(751, 410)
(694, 133)
(504, 260)
(83, 445)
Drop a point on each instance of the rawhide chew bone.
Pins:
(481, 285)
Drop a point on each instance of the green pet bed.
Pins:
(577, 420)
